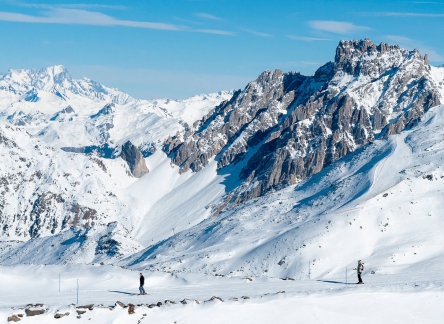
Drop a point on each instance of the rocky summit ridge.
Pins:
(296, 125)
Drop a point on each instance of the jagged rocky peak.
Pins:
(364, 57)
(248, 116)
(136, 163)
(297, 125)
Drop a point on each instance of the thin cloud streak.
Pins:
(307, 39)
(83, 17)
(64, 5)
(337, 27)
(215, 31)
(254, 32)
(207, 16)
(424, 2)
(403, 14)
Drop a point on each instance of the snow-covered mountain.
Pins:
(83, 115)
(382, 203)
(285, 127)
(253, 182)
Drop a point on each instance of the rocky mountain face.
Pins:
(135, 160)
(297, 125)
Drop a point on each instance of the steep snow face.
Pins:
(438, 75)
(298, 125)
(382, 204)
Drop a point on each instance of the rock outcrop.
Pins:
(297, 125)
(136, 163)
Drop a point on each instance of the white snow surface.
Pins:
(403, 298)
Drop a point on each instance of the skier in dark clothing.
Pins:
(359, 270)
(142, 282)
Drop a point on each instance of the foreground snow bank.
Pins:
(412, 297)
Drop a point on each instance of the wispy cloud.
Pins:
(424, 2)
(406, 42)
(207, 16)
(307, 39)
(254, 32)
(337, 27)
(82, 17)
(215, 31)
(64, 5)
(92, 18)
(191, 22)
(403, 14)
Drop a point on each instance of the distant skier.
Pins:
(359, 270)
(142, 282)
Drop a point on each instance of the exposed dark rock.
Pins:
(34, 312)
(105, 151)
(131, 309)
(59, 315)
(120, 304)
(132, 155)
(14, 318)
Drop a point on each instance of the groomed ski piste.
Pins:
(280, 258)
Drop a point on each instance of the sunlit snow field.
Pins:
(406, 297)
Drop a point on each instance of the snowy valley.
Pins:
(237, 205)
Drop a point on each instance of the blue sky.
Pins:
(178, 48)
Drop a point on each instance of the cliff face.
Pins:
(298, 125)
(132, 155)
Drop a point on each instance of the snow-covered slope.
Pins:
(382, 204)
(84, 198)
